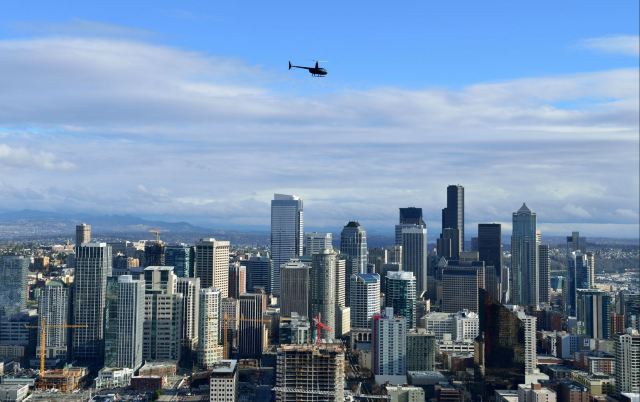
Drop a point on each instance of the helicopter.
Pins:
(316, 71)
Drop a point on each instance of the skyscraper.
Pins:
(579, 276)
(287, 233)
(258, 273)
(83, 234)
(323, 289)
(453, 214)
(251, 328)
(389, 343)
(460, 288)
(237, 279)
(593, 312)
(627, 367)
(212, 264)
(365, 299)
(353, 246)
(93, 266)
(410, 216)
(314, 242)
(524, 258)
(163, 315)
(190, 290)
(181, 258)
(294, 288)
(154, 253)
(124, 322)
(490, 245)
(401, 295)
(415, 254)
(13, 283)
(448, 245)
(544, 263)
(209, 351)
(53, 305)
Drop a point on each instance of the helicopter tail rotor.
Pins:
(289, 65)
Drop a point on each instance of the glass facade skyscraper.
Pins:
(524, 259)
(287, 234)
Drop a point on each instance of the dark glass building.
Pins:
(453, 214)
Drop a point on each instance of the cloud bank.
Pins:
(117, 125)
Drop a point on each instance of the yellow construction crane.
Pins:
(157, 233)
(225, 326)
(43, 337)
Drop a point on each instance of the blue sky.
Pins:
(185, 110)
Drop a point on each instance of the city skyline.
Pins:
(136, 135)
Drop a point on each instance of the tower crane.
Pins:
(319, 327)
(43, 337)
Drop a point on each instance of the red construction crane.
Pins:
(319, 327)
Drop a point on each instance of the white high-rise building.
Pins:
(163, 315)
(323, 289)
(627, 368)
(365, 299)
(93, 266)
(314, 242)
(190, 290)
(53, 305)
(462, 326)
(287, 233)
(212, 264)
(124, 322)
(209, 351)
(389, 343)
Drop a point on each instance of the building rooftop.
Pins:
(224, 366)
(368, 278)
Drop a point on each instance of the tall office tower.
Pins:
(593, 312)
(93, 266)
(251, 330)
(53, 305)
(223, 382)
(258, 273)
(209, 351)
(421, 350)
(490, 245)
(389, 343)
(401, 295)
(315, 242)
(365, 299)
(453, 214)
(306, 373)
(287, 233)
(154, 253)
(627, 367)
(179, 256)
(410, 216)
(83, 234)
(323, 289)
(124, 322)
(237, 279)
(579, 276)
(353, 246)
(190, 290)
(415, 254)
(212, 264)
(448, 244)
(575, 243)
(13, 283)
(524, 258)
(294, 288)
(460, 288)
(163, 315)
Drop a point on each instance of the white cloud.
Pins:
(621, 44)
(158, 130)
(19, 157)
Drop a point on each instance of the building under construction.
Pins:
(310, 373)
(64, 380)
